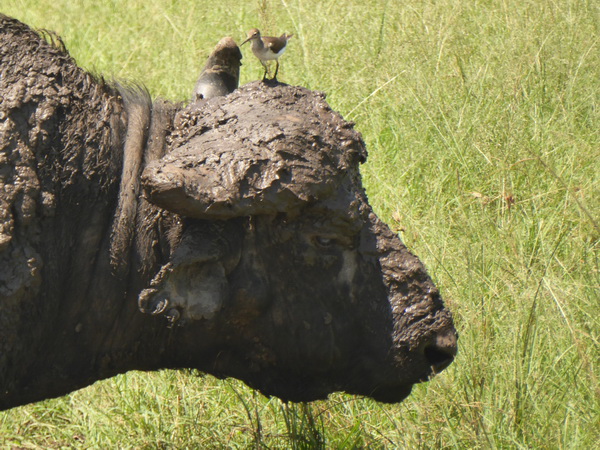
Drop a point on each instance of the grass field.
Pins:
(482, 124)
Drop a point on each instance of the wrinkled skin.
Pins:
(232, 236)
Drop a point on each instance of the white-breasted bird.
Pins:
(267, 48)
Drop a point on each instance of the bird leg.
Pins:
(276, 69)
(266, 69)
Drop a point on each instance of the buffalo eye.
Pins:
(324, 242)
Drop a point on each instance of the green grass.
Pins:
(482, 124)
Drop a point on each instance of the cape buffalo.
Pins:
(232, 235)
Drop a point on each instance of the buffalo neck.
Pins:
(103, 243)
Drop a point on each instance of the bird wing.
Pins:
(275, 44)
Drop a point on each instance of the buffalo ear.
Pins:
(238, 156)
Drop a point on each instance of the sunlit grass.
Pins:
(482, 124)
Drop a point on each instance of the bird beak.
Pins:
(245, 41)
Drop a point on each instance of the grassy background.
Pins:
(482, 123)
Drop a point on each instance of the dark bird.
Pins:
(221, 73)
(267, 48)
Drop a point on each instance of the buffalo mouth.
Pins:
(387, 380)
(304, 392)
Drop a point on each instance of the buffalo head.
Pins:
(305, 290)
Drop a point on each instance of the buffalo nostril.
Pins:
(441, 352)
(439, 359)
